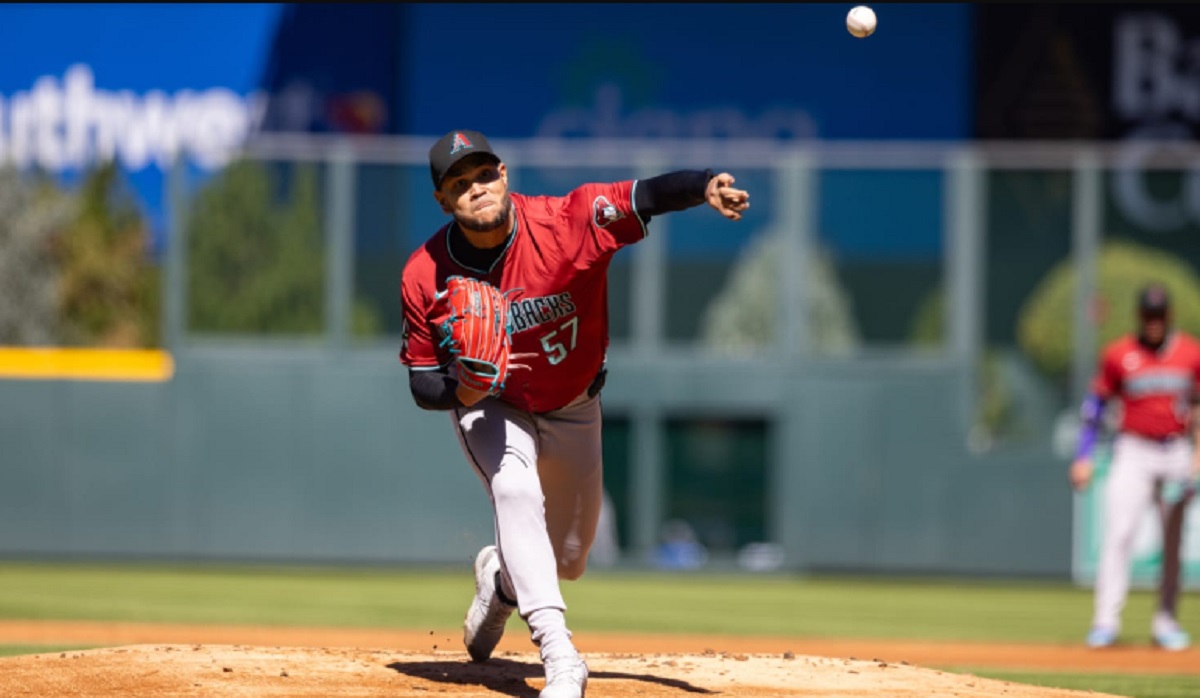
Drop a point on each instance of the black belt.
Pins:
(593, 389)
(598, 382)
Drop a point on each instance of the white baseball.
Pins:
(861, 21)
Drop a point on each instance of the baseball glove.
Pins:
(478, 333)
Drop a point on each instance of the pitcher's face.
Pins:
(475, 192)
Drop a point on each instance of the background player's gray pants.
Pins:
(543, 473)
(1139, 468)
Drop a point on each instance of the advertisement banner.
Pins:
(152, 85)
(1123, 72)
(648, 70)
(138, 84)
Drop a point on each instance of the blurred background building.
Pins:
(877, 370)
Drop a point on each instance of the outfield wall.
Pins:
(320, 456)
(850, 434)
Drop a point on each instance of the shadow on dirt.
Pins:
(508, 678)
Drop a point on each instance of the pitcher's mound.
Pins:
(240, 670)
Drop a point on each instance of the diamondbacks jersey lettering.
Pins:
(531, 313)
(555, 270)
(1155, 389)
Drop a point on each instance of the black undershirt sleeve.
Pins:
(674, 191)
(433, 390)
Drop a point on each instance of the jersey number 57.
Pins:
(556, 352)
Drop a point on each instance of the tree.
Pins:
(1045, 324)
(743, 318)
(74, 268)
(109, 289)
(33, 212)
(255, 254)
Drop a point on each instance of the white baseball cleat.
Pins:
(488, 613)
(1166, 633)
(1101, 636)
(1174, 640)
(566, 677)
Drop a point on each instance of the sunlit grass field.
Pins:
(774, 605)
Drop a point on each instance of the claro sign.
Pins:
(1156, 94)
(69, 124)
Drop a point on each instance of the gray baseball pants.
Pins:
(1139, 468)
(544, 475)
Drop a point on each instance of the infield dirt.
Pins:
(170, 660)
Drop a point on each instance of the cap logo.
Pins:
(460, 143)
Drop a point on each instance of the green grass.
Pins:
(240, 596)
(601, 601)
(948, 610)
(932, 610)
(1136, 686)
(15, 650)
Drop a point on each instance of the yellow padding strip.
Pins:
(86, 364)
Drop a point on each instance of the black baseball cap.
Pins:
(455, 146)
(1154, 301)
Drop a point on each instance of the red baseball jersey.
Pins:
(558, 258)
(1155, 388)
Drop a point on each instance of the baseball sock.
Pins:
(550, 633)
(504, 595)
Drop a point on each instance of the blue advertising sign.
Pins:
(143, 83)
(695, 70)
(140, 83)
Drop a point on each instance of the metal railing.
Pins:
(964, 165)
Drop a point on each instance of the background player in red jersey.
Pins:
(1156, 376)
(535, 445)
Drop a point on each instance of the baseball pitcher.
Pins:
(506, 327)
(1155, 376)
